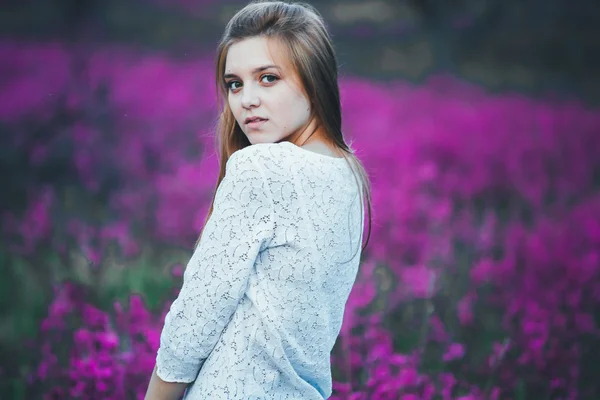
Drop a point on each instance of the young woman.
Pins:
(264, 292)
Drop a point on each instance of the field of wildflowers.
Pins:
(481, 279)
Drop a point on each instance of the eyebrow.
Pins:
(254, 71)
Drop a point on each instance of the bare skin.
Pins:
(261, 82)
(313, 138)
(161, 390)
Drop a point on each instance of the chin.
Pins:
(261, 137)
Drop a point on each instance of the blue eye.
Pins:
(231, 85)
(271, 78)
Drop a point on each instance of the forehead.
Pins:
(251, 53)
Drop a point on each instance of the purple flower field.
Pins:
(481, 279)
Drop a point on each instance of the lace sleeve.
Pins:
(216, 276)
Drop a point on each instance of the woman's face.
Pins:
(264, 91)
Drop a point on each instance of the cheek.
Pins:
(302, 104)
(302, 109)
(295, 108)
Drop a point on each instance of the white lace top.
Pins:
(264, 292)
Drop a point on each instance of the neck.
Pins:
(312, 131)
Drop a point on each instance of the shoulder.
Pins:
(263, 156)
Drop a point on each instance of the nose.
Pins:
(250, 97)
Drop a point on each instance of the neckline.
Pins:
(313, 153)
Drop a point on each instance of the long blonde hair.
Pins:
(302, 31)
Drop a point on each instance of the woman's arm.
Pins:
(217, 275)
(161, 390)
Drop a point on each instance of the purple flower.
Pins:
(455, 351)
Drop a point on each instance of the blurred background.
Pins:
(478, 123)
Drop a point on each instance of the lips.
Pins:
(254, 120)
(254, 123)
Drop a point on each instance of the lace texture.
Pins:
(264, 292)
